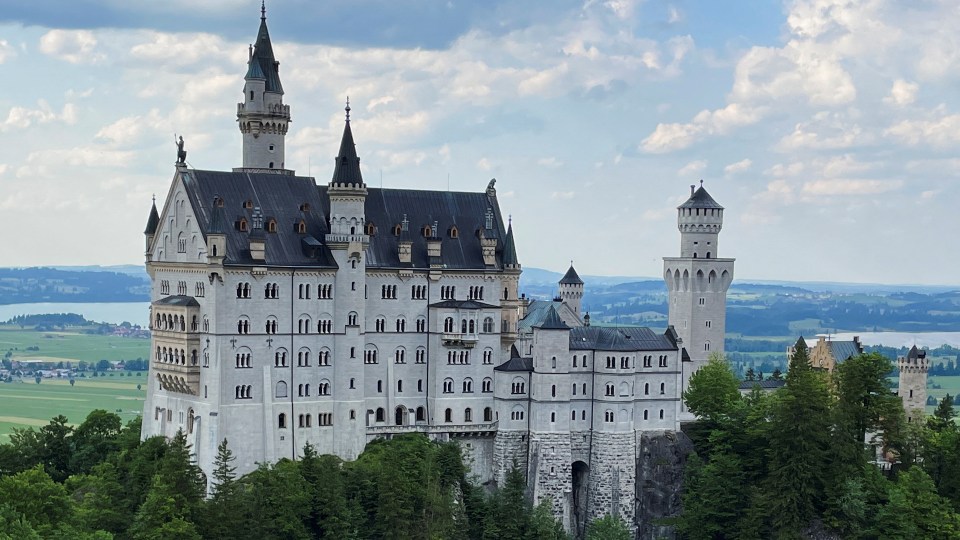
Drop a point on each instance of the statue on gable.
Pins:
(181, 153)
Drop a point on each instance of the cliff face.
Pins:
(661, 460)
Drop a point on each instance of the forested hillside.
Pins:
(99, 481)
(792, 464)
(24, 285)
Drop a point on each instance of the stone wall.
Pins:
(509, 448)
(612, 475)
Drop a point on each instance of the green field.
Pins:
(29, 404)
(949, 384)
(70, 346)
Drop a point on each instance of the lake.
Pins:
(902, 339)
(109, 312)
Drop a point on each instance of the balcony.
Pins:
(451, 339)
(442, 429)
(179, 378)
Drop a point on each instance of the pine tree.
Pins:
(799, 447)
(543, 526)
(607, 528)
(714, 391)
(223, 513)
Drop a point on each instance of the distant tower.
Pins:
(913, 383)
(697, 280)
(571, 290)
(262, 116)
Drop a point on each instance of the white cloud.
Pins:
(859, 187)
(565, 195)
(824, 131)
(484, 164)
(669, 137)
(692, 168)
(74, 46)
(22, 117)
(550, 162)
(902, 93)
(738, 167)
(3, 168)
(6, 51)
(47, 163)
(940, 132)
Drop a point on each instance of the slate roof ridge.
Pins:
(552, 321)
(153, 221)
(700, 199)
(263, 56)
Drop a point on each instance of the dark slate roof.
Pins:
(347, 169)
(571, 278)
(462, 304)
(701, 199)
(552, 321)
(386, 208)
(280, 197)
(266, 65)
(916, 353)
(843, 350)
(765, 385)
(516, 364)
(510, 248)
(178, 300)
(619, 339)
(153, 221)
(685, 356)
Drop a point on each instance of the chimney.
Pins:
(691, 189)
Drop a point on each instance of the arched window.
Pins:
(663, 388)
(448, 415)
(553, 390)
(646, 414)
(421, 414)
(609, 389)
(448, 386)
(467, 386)
(488, 325)
(281, 389)
(282, 421)
(646, 389)
(381, 415)
(487, 414)
(468, 415)
(487, 385)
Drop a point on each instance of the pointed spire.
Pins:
(571, 277)
(262, 64)
(552, 321)
(347, 170)
(154, 220)
(510, 248)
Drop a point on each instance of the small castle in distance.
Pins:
(285, 311)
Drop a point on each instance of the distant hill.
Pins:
(45, 284)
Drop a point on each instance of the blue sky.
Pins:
(828, 128)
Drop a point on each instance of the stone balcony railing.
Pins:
(456, 339)
(451, 429)
(347, 238)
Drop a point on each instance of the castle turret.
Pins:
(697, 280)
(913, 383)
(153, 222)
(571, 290)
(348, 242)
(262, 116)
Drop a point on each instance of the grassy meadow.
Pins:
(26, 403)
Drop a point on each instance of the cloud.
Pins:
(550, 162)
(22, 117)
(825, 131)
(6, 51)
(692, 168)
(47, 163)
(484, 164)
(839, 186)
(902, 93)
(74, 46)
(670, 137)
(940, 132)
(564, 195)
(738, 167)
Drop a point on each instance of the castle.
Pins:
(287, 312)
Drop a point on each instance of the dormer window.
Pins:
(396, 230)
(272, 225)
(242, 225)
(371, 229)
(301, 227)
(427, 231)
(218, 202)
(454, 233)
(248, 204)
(304, 207)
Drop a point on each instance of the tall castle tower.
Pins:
(697, 281)
(571, 290)
(262, 116)
(913, 383)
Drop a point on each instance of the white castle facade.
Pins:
(286, 312)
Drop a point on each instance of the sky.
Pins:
(828, 129)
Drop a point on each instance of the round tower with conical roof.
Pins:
(697, 281)
(571, 290)
(262, 116)
(913, 383)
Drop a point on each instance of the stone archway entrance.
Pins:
(581, 483)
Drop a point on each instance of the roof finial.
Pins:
(510, 220)
(348, 108)
(154, 198)
(701, 182)
(263, 10)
